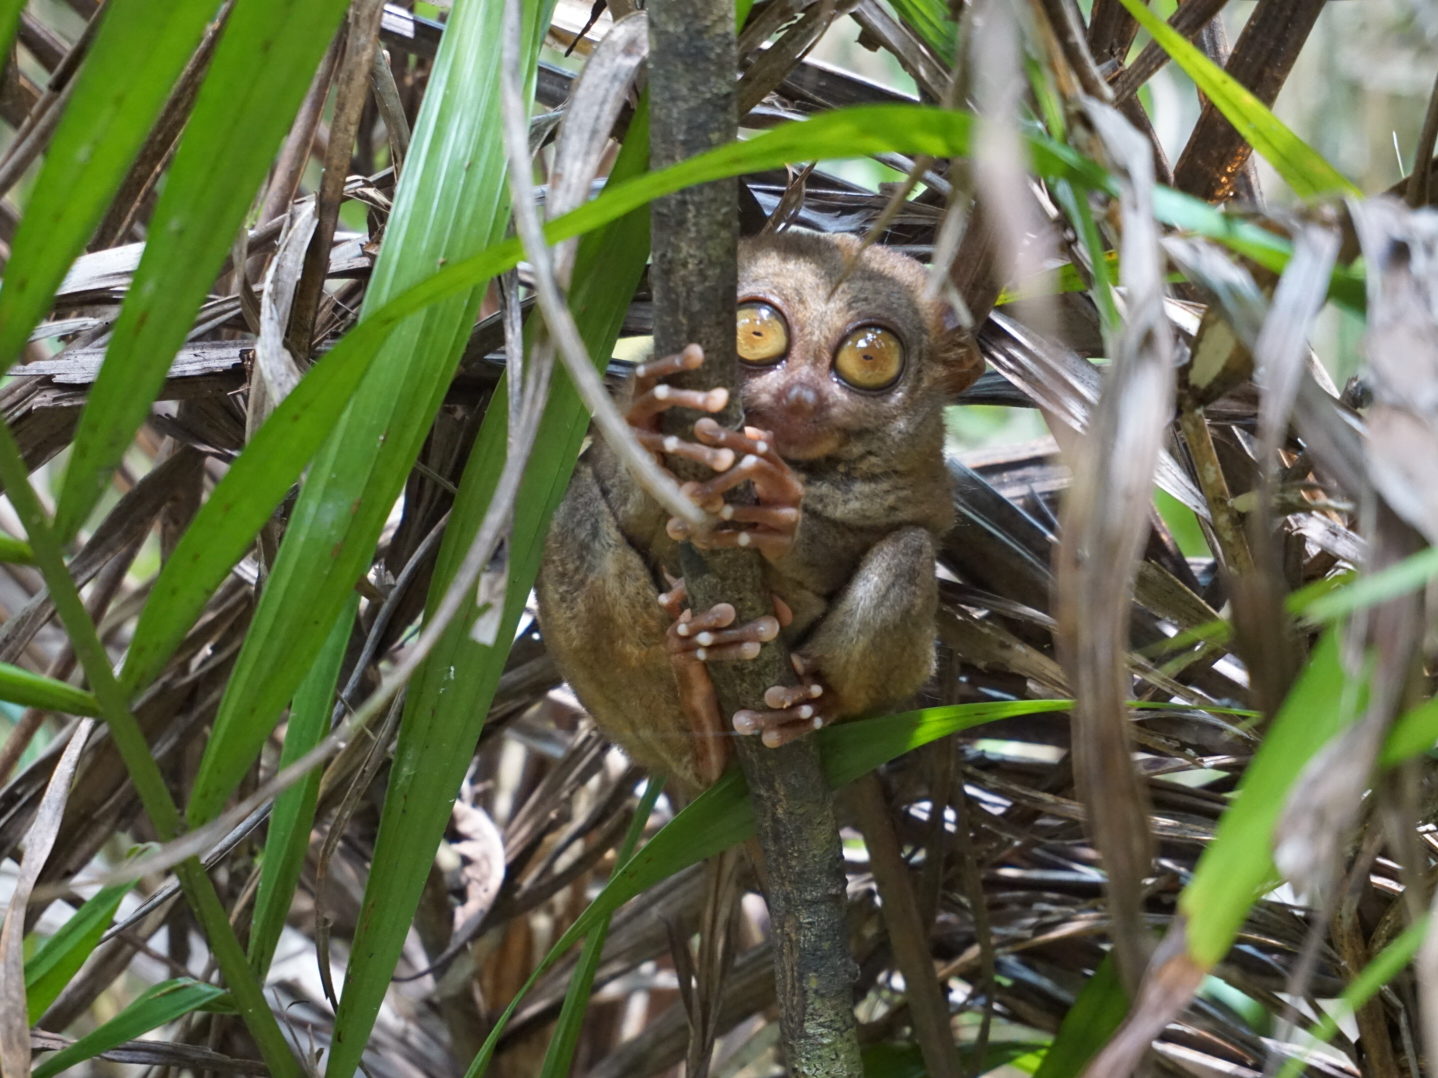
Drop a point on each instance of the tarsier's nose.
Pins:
(800, 399)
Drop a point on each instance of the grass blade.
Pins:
(1302, 167)
(20, 686)
(58, 959)
(217, 169)
(722, 816)
(292, 818)
(451, 203)
(163, 1003)
(138, 53)
(1238, 865)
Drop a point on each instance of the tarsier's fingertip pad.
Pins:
(745, 722)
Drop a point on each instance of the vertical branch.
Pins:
(692, 78)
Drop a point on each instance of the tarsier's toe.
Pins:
(780, 726)
(790, 712)
(708, 637)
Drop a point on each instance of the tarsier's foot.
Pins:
(694, 640)
(770, 525)
(710, 636)
(791, 710)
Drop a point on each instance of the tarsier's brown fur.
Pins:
(859, 576)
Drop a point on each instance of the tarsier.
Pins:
(845, 369)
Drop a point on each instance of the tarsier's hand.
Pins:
(769, 525)
(737, 458)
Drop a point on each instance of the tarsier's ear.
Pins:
(959, 357)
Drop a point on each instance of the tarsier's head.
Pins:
(837, 351)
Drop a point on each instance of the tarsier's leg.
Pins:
(694, 641)
(873, 648)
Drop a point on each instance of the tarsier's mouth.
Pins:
(797, 437)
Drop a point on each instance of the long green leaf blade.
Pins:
(1238, 865)
(163, 1003)
(293, 817)
(241, 113)
(452, 202)
(262, 475)
(20, 686)
(60, 957)
(1302, 167)
(722, 815)
(138, 53)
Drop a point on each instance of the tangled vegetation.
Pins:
(282, 433)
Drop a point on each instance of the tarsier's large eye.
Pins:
(870, 358)
(763, 337)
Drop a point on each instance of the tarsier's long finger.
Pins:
(778, 517)
(780, 726)
(676, 598)
(718, 616)
(721, 460)
(691, 358)
(751, 440)
(770, 544)
(783, 697)
(774, 483)
(664, 396)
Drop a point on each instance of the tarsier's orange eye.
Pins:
(763, 337)
(870, 358)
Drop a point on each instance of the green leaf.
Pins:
(156, 1006)
(932, 21)
(1415, 733)
(58, 958)
(20, 686)
(262, 67)
(451, 692)
(1097, 1012)
(722, 815)
(1302, 167)
(138, 52)
(245, 497)
(906, 1060)
(1237, 867)
(264, 472)
(15, 551)
(452, 201)
(293, 816)
(9, 19)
